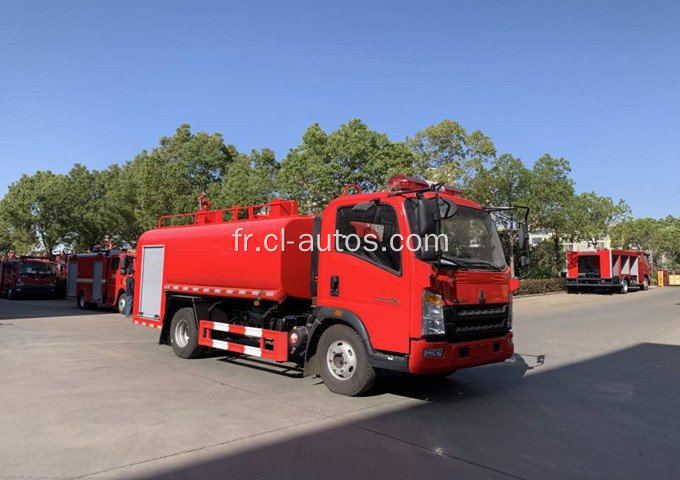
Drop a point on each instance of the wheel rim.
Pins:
(81, 301)
(341, 359)
(625, 287)
(121, 303)
(645, 283)
(182, 334)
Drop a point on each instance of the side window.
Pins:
(114, 263)
(372, 235)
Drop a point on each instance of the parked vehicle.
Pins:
(98, 278)
(27, 275)
(265, 281)
(607, 270)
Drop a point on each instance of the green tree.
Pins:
(590, 216)
(506, 183)
(35, 206)
(316, 171)
(170, 177)
(251, 179)
(447, 153)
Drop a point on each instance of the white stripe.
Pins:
(218, 290)
(256, 292)
(206, 290)
(270, 294)
(222, 327)
(226, 327)
(253, 332)
(195, 289)
(230, 291)
(175, 287)
(241, 292)
(256, 352)
(185, 288)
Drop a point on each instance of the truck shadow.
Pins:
(38, 308)
(612, 416)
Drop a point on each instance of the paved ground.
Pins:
(593, 393)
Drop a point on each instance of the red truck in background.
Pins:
(339, 308)
(27, 275)
(98, 278)
(607, 270)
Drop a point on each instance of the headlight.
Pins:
(433, 314)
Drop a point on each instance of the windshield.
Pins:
(37, 269)
(468, 238)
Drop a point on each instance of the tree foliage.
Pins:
(660, 237)
(447, 153)
(84, 207)
(319, 168)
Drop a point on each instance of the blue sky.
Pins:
(595, 82)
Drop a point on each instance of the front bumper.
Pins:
(459, 355)
(36, 289)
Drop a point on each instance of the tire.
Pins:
(645, 284)
(624, 287)
(343, 360)
(11, 294)
(120, 303)
(184, 334)
(80, 301)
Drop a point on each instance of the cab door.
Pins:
(366, 270)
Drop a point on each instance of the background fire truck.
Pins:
(612, 270)
(338, 308)
(27, 275)
(98, 278)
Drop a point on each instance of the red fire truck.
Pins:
(27, 275)
(342, 293)
(98, 278)
(608, 269)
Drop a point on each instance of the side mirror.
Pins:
(428, 216)
(524, 261)
(523, 236)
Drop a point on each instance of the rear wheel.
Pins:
(645, 284)
(344, 362)
(120, 303)
(80, 301)
(184, 334)
(624, 287)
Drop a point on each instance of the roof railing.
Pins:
(205, 216)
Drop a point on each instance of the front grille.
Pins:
(475, 321)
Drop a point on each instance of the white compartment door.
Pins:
(151, 290)
(97, 282)
(71, 279)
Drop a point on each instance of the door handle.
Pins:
(335, 286)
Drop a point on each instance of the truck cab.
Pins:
(422, 315)
(28, 276)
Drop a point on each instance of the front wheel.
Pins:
(344, 362)
(624, 287)
(184, 334)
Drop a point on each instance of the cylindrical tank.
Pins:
(217, 255)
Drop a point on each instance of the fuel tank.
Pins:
(271, 253)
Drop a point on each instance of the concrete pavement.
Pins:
(591, 393)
